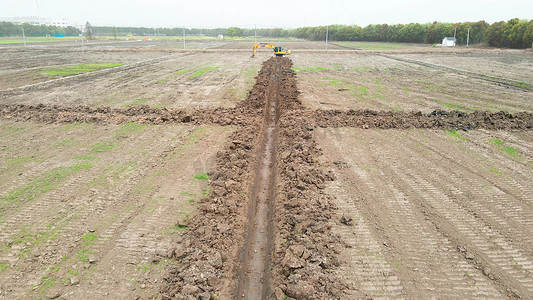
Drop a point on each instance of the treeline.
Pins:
(9, 29)
(145, 31)
(513, 34)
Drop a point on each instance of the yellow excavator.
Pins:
(278, 51)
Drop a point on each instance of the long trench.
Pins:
(255, 261)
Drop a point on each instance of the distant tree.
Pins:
(528, 35)
(495, 33)
(234, 31)
(89, 34)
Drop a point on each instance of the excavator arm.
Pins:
(262, 45)
(278, 51)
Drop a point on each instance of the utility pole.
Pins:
(255, 33)
(183, 37)
(23, 35)
(81, 29)
(327, 35)
(454, 39)
(468, 37)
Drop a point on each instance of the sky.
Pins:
(266, 14)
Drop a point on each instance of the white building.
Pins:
(38, 21)
(449, 41)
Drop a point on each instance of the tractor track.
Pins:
(499, 80)
(82, 77)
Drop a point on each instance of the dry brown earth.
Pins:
(400, 174)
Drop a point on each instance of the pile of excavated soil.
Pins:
(138, 114)
(242, 114)
(207, 252)
(305, 257)
(436, 119)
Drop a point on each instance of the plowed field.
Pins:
(207, 174)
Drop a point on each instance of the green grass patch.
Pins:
(201, 176)
(203, 71)
(68, 127)
(3, 267)
(136, 102)
(363, 68)
(77, 69)
(48, 283)
(495, 171)
(454, 133)
(513, 152)
(129, 128)
(45, 183)
(67, 143)
(312, 69)
(19, 160)
(89, 238)
(373, 45)
(101, 147)
(182, 72)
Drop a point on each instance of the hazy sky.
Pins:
(273, 13)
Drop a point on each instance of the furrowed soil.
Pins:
(335, 174)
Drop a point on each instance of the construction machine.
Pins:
(278, 51)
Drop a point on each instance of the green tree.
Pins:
(234, 31)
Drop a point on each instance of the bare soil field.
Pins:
(432, 214)
(207, 174)
(510, 64)
(147, 78)
(375, 81)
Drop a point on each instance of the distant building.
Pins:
(37, 21)
(449, 41)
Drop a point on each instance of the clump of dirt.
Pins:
(437, 119)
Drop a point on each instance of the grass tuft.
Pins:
(77, 69)
(513, 152)
(201, 176)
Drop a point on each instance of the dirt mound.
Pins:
(241, 115)
(306, 249)
(434, 120)
(207, 253)
(137, 114)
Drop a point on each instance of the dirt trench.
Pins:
(258, 237)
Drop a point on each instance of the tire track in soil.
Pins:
(69, 80)
(70, 221)
(410, 241)
(499, 80)
(480, 239)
